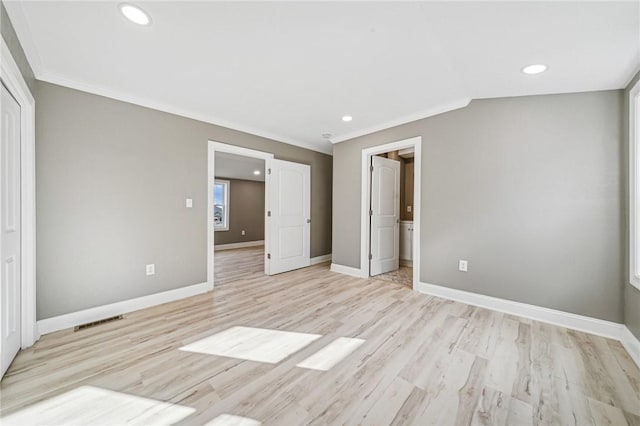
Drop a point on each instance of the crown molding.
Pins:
(54, 78)
(15, 9)
(21, 25)
(457, 104)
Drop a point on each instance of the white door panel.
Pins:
(290, 216)
(385, 215)
(10, 226)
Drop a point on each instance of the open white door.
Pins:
(288, 216)
(385, 215)
(10, 226)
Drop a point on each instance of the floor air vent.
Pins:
(96, 323)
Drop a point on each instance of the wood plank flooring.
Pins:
(424, 360)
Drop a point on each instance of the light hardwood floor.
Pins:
(424, 360)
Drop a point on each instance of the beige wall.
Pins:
(246, 212)
(631, 293)
(112, 179)
(529, 190)
(406, 188)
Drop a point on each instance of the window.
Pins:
(221, 205)
(634, 185)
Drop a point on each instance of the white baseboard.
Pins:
(347, 270)
(232, 246)
(73, 319)
(612, 330)
(321, 259)
(631, 344)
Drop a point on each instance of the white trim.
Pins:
(214, 147)
(73, 319)
(631, 344)
(321, 259)
(50, 77)
(21, 25)
(365, 194)
(634, 196)
(231, 246)
(582, 323)
(585, 324)
(18, 18)
(457, 104)
(227, 189)
(345, 270)
(13, 80)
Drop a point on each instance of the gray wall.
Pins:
(529, 190)
(246, 211)
(631, 294)
(112, 179)
(10, 37)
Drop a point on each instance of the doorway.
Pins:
(17, 212)
(390, 216)
(10, 227)
(285, 209)
(238, 216)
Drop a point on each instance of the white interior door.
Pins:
(288, 216)
(385, 215)
(10, 310)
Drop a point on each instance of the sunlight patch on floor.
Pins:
(231, 420)
(331, 354)
(88, 405)
(252, 344)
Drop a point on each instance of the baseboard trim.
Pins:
(232, 246)
(611, 330)
(321, 259)
(404, 262)
(346, 270)
(631, 344)
(73, 319)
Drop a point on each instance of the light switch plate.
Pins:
(151, 269)
(189, 203)
(463, 265)
(408, 209)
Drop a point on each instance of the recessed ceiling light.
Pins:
(347, 118)
(135, 14)
(256, 172)
(326, 135)
(534, 69)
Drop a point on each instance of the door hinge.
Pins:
(268, 213)
(370, 256)
(269, 171)
(268, 255)
(371, 169)
(370, 212)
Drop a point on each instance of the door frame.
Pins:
(214, 147)
(365, 192)
(12, 78)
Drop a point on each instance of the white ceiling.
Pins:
(291, 70)
(233, 166)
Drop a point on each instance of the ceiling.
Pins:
(233, 166)
(290, 70)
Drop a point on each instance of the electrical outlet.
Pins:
(244, 233)
(462, 265)
(151, 269)
(408, 209)
(189, 203)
